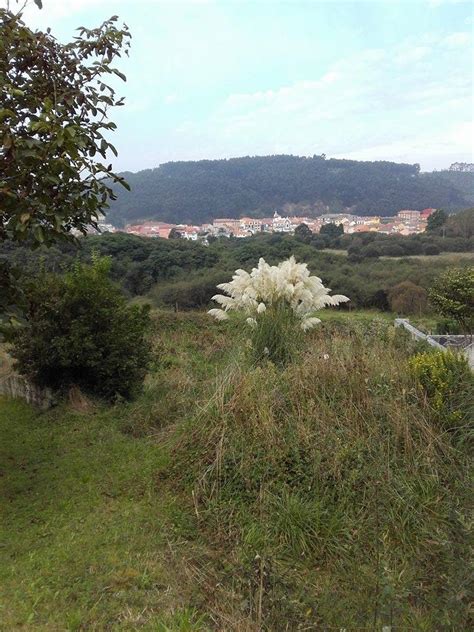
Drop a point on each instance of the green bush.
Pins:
(452, 295)
(80, 331)
(447, 382)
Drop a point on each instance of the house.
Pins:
(410, 216)
(281, 224)
(252, 224)
(425, 213)
(228, 224)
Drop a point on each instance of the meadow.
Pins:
(228, 496)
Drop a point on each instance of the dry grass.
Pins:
(332, 469)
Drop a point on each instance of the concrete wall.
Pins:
(18, 387)
(463, 344)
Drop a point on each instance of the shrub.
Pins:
(431, 249)
(447, 381)
(448, 326)
(452, 295)
(278, 301)
(192, 293)
(407, 298)
(80, 331)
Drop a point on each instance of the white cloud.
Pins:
(361, 107)
(412, 54)
(432, 150)
(456, 40)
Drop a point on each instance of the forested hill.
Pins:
(196, 192)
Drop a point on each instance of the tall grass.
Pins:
(276, 335)
(332, 493)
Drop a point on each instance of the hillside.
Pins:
(196, 192)
(238, 498)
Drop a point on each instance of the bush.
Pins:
(448, 326)
(407, 298)
(452, 295)
(278, 302)
(431, 249)
(447, 381)
(193, 293)
(80, 331)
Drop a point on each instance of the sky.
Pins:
(365, 80)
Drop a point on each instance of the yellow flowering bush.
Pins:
(447, 381)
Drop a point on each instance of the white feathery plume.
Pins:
(289, 282)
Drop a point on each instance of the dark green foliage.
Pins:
(80, 331)
(436, 221)
(183, 272)
(192, 293)
(196, 192)
(460, 225)
(332, 230)
(11, 299)
(174, 234)
(452, 296)
(53, 117)
(303, 233)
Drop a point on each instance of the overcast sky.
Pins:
(377, 80)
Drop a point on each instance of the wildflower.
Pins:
(325, 356)
(261, 308)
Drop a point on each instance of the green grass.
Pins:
(229, 497)
(85, 525)
(90, 539)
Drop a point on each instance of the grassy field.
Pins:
(448, 257)
(232, 497)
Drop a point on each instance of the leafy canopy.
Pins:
(452, 296)
(436, 220)
(54, 106)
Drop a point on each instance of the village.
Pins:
(406, 222)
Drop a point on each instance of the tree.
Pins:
(81, 331)
(465, 167)
(461, 224)
(54, 113)
(332, 230)
(436, 221)
(452, 295)
(54, 105)
(304, 233)
(174, 234)
(407, 298)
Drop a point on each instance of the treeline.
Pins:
(185, 274)
(197, 192)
